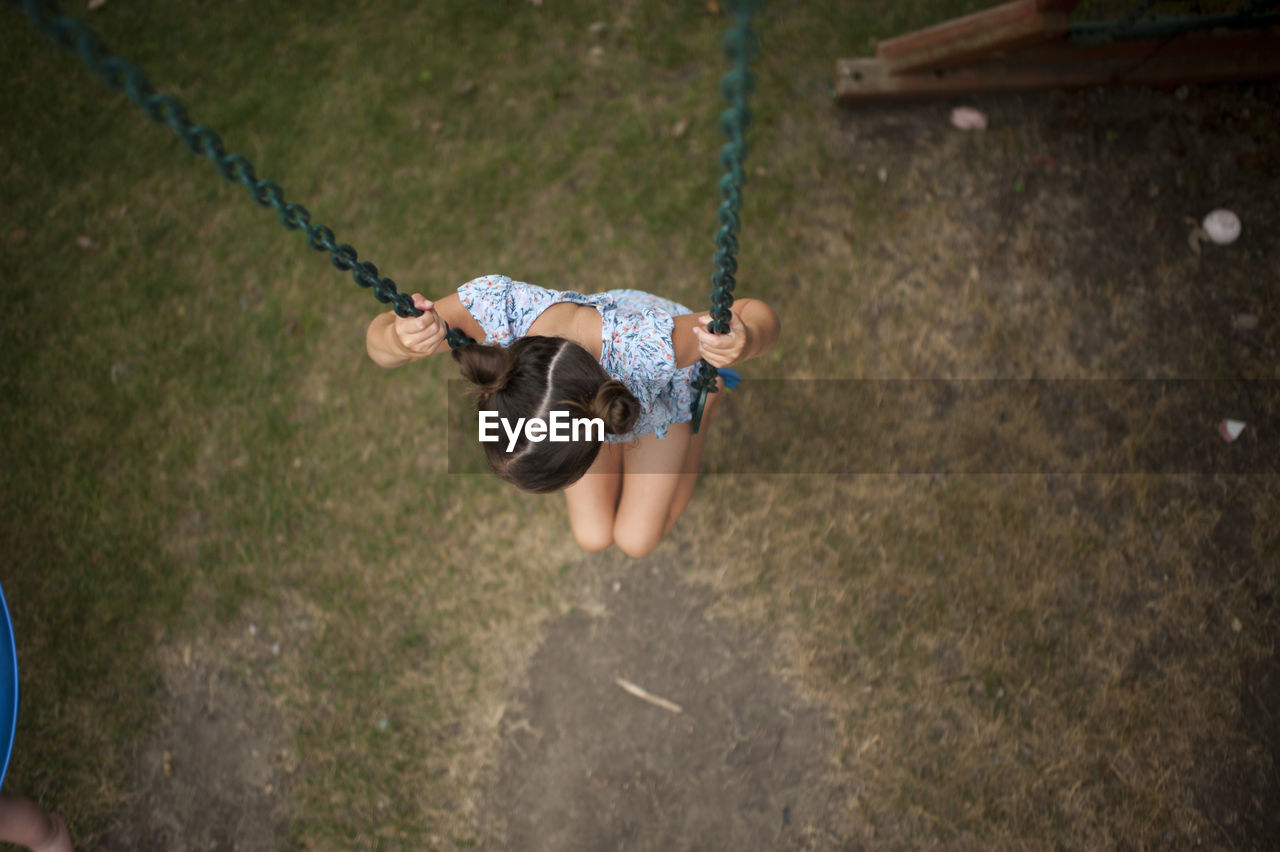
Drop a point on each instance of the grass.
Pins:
(195, 441)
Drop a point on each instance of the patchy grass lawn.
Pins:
(209, 487)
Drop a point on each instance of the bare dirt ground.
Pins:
(588, 766)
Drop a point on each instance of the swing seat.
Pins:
(8, 688)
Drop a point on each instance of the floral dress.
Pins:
(635, 341)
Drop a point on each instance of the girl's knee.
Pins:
(635, 540)
(593, 538)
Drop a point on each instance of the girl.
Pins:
(626, 357)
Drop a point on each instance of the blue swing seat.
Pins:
(8, 688)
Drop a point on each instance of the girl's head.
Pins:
(532, 378)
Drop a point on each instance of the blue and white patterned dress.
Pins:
(635, 341)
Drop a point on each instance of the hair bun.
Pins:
(616, 406)
(486, 366)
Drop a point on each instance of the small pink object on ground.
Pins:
(1230, 430)
(967, 118)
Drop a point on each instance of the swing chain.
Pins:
(740, 46)
(71, 34)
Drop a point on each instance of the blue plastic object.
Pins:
(8, 687)
(731, 377)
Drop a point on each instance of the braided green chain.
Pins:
(119, 74)
(740, 47)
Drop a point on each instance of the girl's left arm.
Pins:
(753, 331)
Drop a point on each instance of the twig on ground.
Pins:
(647, 696)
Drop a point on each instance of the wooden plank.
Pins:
(1063, 6)
(1195, 57)
(963, 40)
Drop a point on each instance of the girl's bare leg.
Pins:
(693, 456)
(593, 500)
(651, 474)
(631, 497)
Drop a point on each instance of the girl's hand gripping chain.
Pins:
(420, 336)
(721, 350)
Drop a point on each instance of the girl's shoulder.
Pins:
(504, 308)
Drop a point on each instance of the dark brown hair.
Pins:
(532, 377)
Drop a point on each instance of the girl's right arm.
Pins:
(393, 341)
